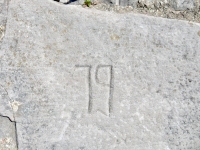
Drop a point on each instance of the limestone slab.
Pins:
(77, 78)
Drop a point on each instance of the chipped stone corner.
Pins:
(8, 134)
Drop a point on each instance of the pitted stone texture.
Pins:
(87, 79)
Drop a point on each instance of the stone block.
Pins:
(79, 78)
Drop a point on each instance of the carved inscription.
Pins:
(100, 78)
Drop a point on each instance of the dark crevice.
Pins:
(7, 118)
(16, 135)
(70, 1)
(15, 124)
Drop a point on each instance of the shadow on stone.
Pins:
(71, 1)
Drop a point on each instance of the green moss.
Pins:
(87, 3)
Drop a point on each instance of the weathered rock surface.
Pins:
(74, 78)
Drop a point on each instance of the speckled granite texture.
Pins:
(84, 79)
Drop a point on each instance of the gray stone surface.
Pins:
(78, 78)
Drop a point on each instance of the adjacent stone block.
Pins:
(7, 134)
